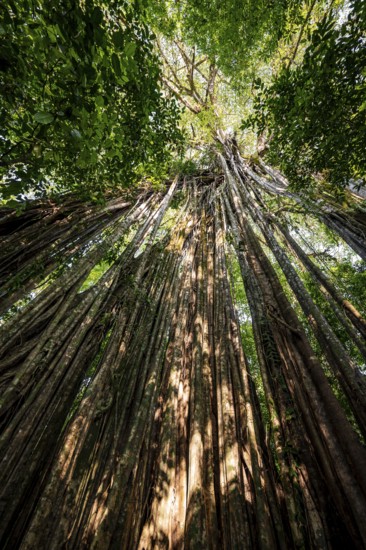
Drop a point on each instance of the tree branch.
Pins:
(193, 108)
(301, 34)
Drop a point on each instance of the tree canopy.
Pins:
(314, 113)
(91, 94)
(81, 105)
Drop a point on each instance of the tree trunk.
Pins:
(131, 414)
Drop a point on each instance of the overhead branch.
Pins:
(193, 108)
(173, 71)
(210, 89)
(190, 65)
(302, 30)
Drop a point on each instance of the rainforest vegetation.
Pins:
(182, 274)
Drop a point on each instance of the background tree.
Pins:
(314, 113)
(81, 107)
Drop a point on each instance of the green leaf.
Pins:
(116, 65)
(97, 16)
(118, 39)
(43, 117)
(75, 133)
(99, 101)
(130, 49)
(132, 67)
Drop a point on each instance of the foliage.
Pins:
(80, 100)
(95, 274)
(352, 277)
(184, 166)
(315, 114)
(231, 33)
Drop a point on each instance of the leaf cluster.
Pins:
(315, 114)
(234, 32)
(81, 107)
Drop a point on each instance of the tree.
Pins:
(314, 113)
(81, 107)
(177, 368)
(151, 365)
(236, 35)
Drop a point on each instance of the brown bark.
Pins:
(132, 417)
